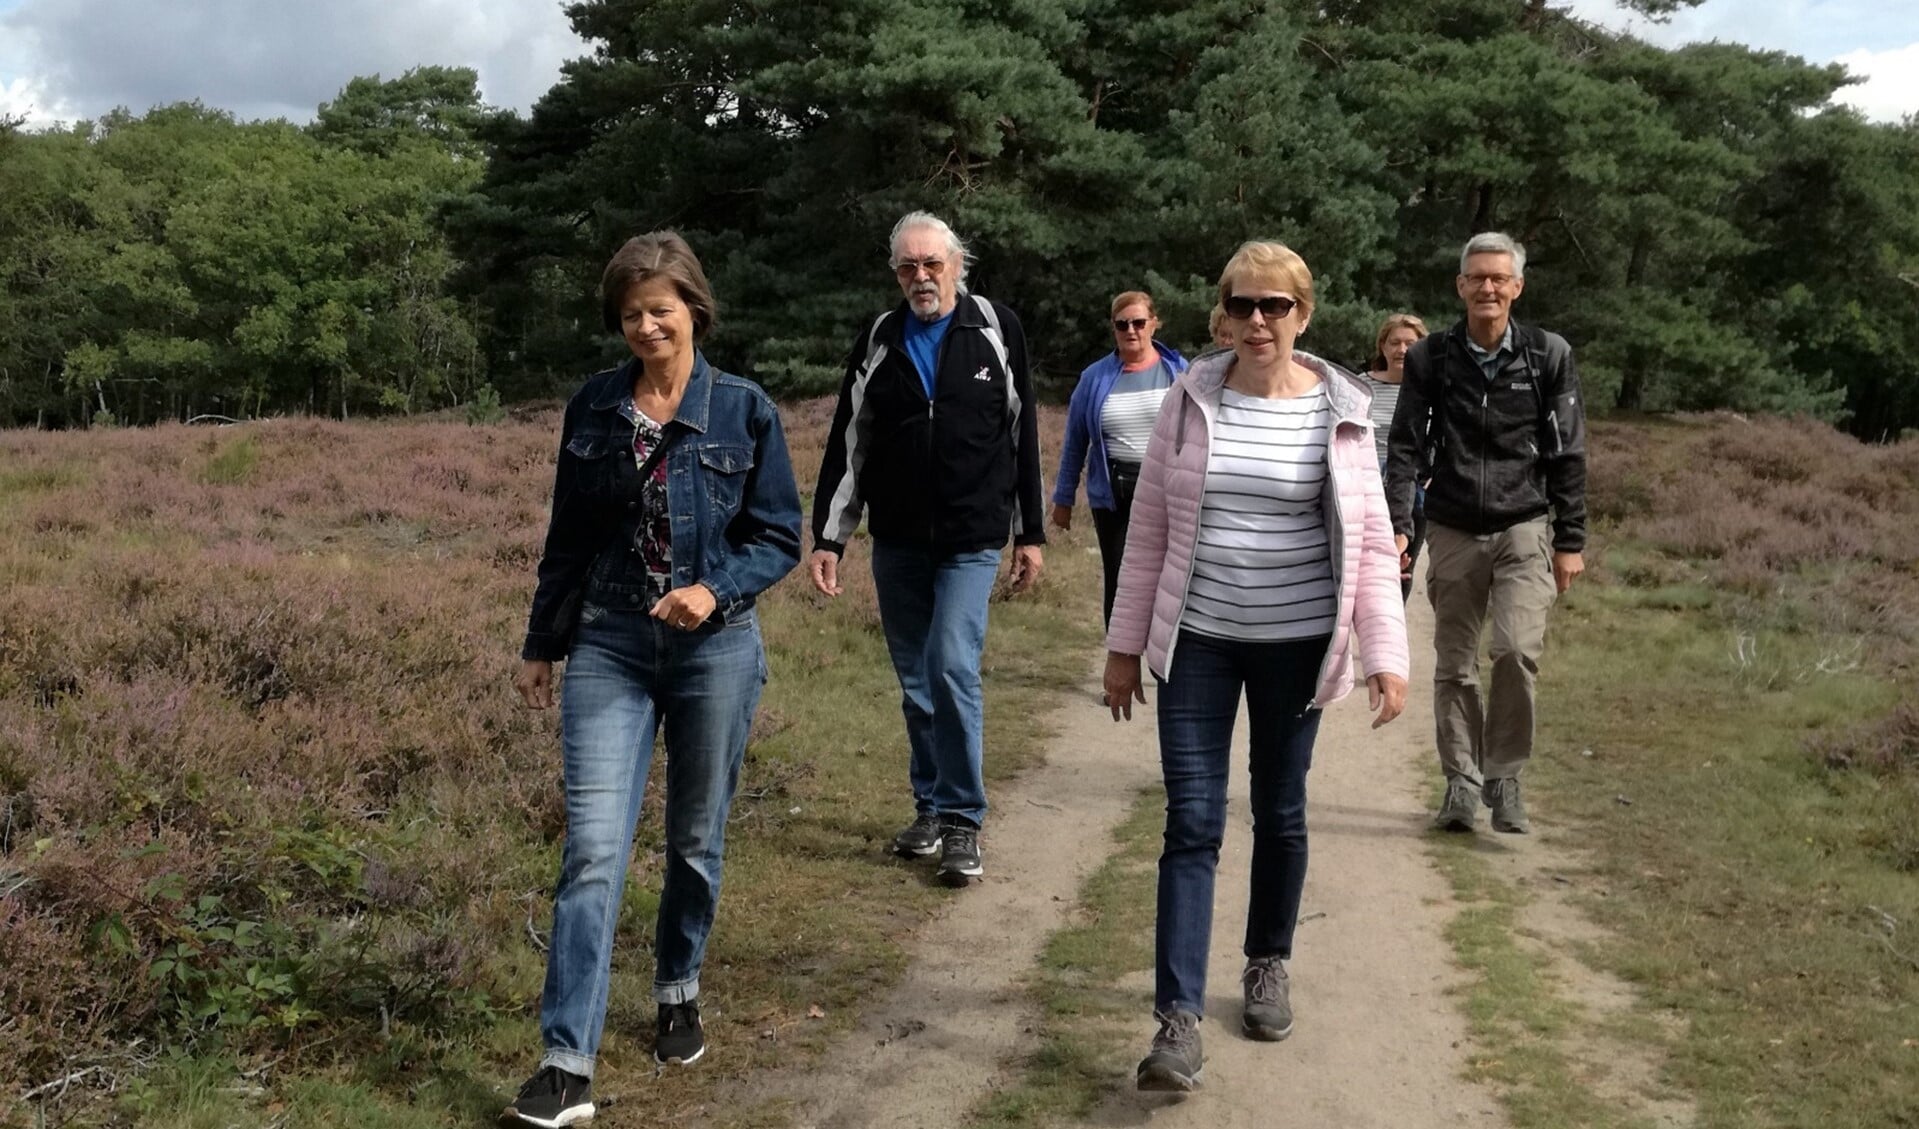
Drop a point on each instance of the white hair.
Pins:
(954, 248)
(1495, 243)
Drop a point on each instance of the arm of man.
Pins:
(1406, 439)
(837, 504)
(1563, 456)
(1029, 493)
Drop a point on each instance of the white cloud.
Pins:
(269, 59)
(1891, 90)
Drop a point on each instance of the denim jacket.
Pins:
(734, 506)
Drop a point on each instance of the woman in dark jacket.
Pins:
(674, 507)
(1107, 424)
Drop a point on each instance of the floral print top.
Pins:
(654, 539)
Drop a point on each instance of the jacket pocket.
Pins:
(724, 466)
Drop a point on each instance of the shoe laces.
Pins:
(1263, 978)
(677, 1016)
(1504, 791)
(960, 837)
(550, 1080)
(1178, 1031)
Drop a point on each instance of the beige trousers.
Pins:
(1510, 574)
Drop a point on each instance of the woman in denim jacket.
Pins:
(674, 507)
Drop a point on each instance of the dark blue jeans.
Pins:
(626, 676)
(1197, 708)
(933, 611)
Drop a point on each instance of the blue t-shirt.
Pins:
(923, 345)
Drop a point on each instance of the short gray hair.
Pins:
(954, 247)
(1495, 243)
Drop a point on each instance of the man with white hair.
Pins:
(936, 439)
(1491, 410)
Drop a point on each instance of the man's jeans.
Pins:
(627, 675)
(1196, 713)
(933, 610)
(1511, 574)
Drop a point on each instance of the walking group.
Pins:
(1259, 512)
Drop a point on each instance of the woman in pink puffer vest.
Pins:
(1260, 551)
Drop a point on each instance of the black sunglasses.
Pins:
(1138, 325)
(1240, 308)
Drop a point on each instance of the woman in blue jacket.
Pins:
(674, 507)
(1107, 424)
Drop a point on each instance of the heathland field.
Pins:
(276, 839)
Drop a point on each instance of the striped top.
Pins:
(1385, 399)
(1263, 568)
(1126, 418)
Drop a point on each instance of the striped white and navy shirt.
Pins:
(1385, 400)
(1126, 418)
(1263, 569)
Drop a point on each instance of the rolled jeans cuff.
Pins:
(570, 1061)
(682, 992)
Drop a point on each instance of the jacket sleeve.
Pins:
(1379, 611)
(564, 560)
(1072, 452)
(837, 504)
(1028, 491)
(1564, 452)
(763, 538)
(1144, 557)
(1406, 439)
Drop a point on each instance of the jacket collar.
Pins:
(1344, 393)
(695, 403)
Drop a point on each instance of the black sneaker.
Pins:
(1509, 811)
(553, 1098)
(677, 1036)
(959, 851)
(1173, 1065)
(1268, 1009)
(919, 838)
(1460, 807)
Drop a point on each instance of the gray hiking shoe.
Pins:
(1509, 811)
(1173, 1065)
(1269, 1008)
(1459, 809)
(918, 838)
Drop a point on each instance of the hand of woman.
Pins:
(1122, 684)
(535, 683)
(685, 608)
(1062, 516)
(1387, 694)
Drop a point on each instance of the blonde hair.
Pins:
(1127, 298)
(1213, 321)
(1392, 322)
(1274, 264)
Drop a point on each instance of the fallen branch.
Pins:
(59, 1084)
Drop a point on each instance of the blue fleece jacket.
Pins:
(1084, 436)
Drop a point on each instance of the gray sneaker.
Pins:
(1509, 811)
(1173, 1065)
(918, 838)
(1459, 809)
(1269, 1009)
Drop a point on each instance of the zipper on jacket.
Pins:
(1338, 547)
(1192, 552)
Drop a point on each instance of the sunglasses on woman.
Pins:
(1275, 307)
(1137, 325)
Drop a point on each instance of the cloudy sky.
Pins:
(70, 59)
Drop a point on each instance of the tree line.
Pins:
(1705, 225)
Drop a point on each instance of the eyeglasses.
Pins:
(1137, 325)
(1499, 281)
(910, 268)
(1275, 307)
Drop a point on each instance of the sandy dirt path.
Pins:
(1378, 1042)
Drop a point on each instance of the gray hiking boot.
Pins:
(1173, 1065)
(1509, 811)
(1269, 1007)
(1459, 809)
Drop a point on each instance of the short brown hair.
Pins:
(1127, 298)
(1275, 264)
(663, 255)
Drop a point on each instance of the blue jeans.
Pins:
(1196, 712)
(933, 610)
(627, 675)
